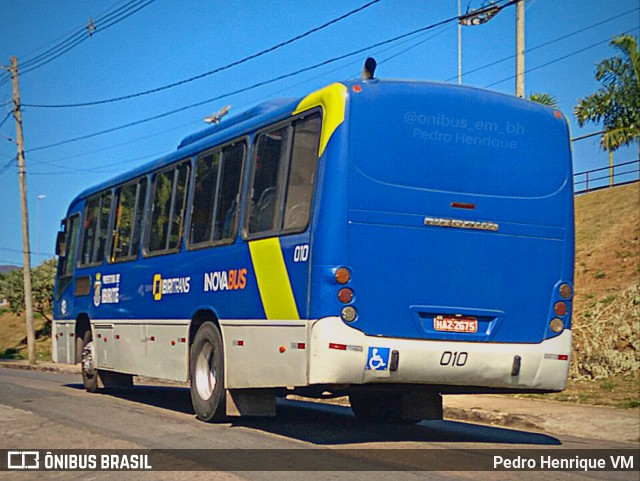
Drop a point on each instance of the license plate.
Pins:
(455, 324)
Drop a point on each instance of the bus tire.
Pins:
(88, 363)
(206, 372)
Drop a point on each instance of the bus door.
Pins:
(283, 178)
(66, 288)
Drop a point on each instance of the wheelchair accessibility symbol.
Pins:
(377, 359)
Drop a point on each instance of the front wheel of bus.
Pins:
(89, 371)
(206, 363)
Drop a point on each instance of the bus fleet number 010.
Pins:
(454, 359)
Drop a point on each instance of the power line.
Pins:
(550, 42)
(6, 166)
(411, 47)
(214, 71)
(112, 146)
(546, 64)
(256, 85)
(101, 23)
(70, 32)
(30, 252)
(588, 136)
(5, 119)
(86, 34)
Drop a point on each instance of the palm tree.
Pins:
(544, 99)
(617, 102)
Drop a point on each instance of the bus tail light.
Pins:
(345, 295)
(565, 291)
(556, 325)
(343, 275)
(349, 313)
(560, 308)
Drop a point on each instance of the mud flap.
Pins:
(251, 402)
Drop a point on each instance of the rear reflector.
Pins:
(557, 357)
(463, 205)
(339, 347)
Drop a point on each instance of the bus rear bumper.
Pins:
(343, 355)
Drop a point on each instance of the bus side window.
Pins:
(302, 173)
(228, 192)
(168, 207)
(95, 229)
(271, 153)
(125, 243)
(215, 197)
(284, 174)
(66, 263)
(207, 169)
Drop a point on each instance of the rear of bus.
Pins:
(451, 210)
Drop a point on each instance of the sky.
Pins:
(166, 42)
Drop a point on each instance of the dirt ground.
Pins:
(607, 244)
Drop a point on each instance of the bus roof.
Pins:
(229, 129)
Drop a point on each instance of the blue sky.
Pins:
(168, 41)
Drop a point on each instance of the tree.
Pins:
(617, 102)
(43, 278)
(544, 99)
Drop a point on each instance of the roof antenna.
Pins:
(215, 118)
(369, 68)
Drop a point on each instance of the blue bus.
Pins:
(390, 241)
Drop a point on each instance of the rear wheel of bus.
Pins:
(88, 362)
(206, 371)
(93, 378)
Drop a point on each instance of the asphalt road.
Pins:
(43, 410)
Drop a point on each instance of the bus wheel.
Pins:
(380, 407)
(206, 367)
(89, 371)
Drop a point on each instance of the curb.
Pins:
(46, 367)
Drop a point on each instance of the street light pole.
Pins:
(459, 44)
(40, 197)
(471, 19)
(520, 49)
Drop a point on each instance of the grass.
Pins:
(13, 344)
(11, 353)
(620, 391)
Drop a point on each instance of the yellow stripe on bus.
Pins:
(333, 100)
(273, 279)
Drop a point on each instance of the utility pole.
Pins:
(459, 44)
(26, 270)
(520, 49)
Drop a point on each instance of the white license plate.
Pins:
(455, 324)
